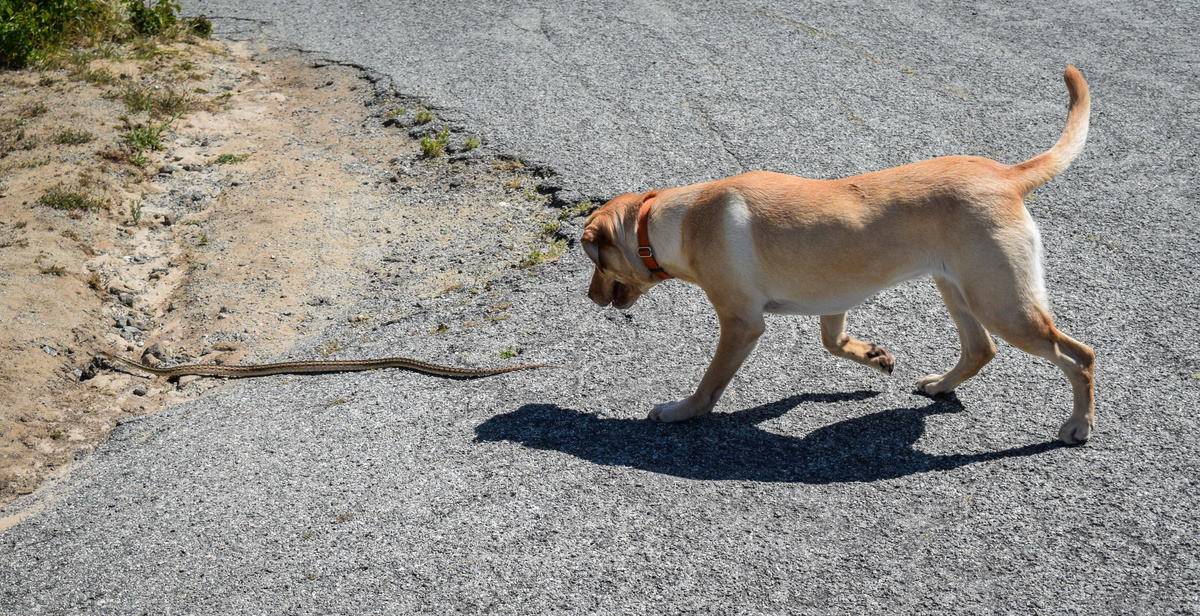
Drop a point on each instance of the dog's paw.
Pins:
(1076, 431)
(880, 359)
(933, 385)
(672, 412)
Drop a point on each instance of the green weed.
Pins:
(579, 209)
(536, 256)
(229, 159)
(433, 147)
(424, 116)
(135, 209)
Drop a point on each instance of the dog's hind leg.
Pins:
(977, 346)
(1030, 328)
(1004, 291)
(838, 342)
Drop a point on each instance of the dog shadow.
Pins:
(732, 446)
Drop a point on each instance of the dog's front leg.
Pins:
(739, 334)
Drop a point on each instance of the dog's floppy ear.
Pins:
(596, 236)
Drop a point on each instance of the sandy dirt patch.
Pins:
(289, 189)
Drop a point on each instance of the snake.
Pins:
(319, 367)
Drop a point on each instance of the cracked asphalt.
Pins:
(817, 486)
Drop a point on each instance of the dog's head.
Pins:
(610, 241)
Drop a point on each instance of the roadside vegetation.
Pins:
(45, 33)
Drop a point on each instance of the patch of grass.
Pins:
(346, 517)
(203, 239)
(55, 270)
(551, 227)
(14, 138)
(537, 256)
(61, 198)
(579, 209)
(510, 352)
(515, 183)
(433, 147)
(56, 434)
(157, 103)
(31, 111)
(72, 137)
(229, 159)
(20, 224)
(97, 77)
(471, 143)
(424, 116)
(507, 164)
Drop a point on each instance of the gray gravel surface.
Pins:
(818, 487)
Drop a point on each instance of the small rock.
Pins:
(155, 352)
(227, 346)
(167, 169)
(167, 220)
(50, 351)
(126, 298)
(139, 390)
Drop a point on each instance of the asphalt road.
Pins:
(817, 487)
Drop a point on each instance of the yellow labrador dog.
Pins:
(767, 242)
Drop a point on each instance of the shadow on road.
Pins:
(731, 445)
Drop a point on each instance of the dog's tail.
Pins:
(1041, 168)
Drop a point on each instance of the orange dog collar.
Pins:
(643, 233)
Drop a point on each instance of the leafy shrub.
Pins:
(151, 18)
(31, 28)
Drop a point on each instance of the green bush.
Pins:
(31, 28)
(151, 18)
